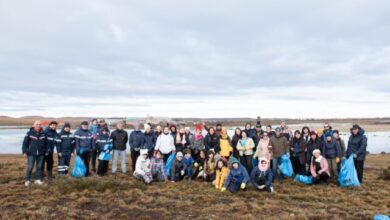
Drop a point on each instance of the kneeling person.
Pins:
(158, 167)
(142, 167)
(238, 177)
(319, 168)
(177, 168)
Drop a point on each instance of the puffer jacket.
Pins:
(119, 139)
(34, 143)
(136, 140)
(52, 139)
(239, 175)
(84, 140)
(247, 149)
(143, 166)
(331, 149)
(211, 142)
(357, 145)
(150, 140)
(67, 143)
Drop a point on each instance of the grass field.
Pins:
(121, 197)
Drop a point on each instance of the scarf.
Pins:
(263, 167)
(198, 137)
(243, 141)
(318, 159)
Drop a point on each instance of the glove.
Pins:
(223, 189)
(200, 168)
(196, 164)
(182, 172)
(337, 160)
(216, 186)
(243, 185)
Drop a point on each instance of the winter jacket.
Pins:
(311, 146)
(34, 143)
(226, 148)
(235, 140)
(52, 139)
(324, 167)
(119, 139)
(136, 140)
(188, 163)
(211, 142)
(209, 166)
(342, 146)
(142, 166)
(158, 165)
(257, 137)
(357, 145)
(221, 176)
(181, 142)
(298, 149)
(150, 140)
(101, 141)
(239, 175)
(262, 150)
(245, 147)
(250, 132)
(165, 144)
(84, 140)
(267, 175)
(279, 145)
(67, 143)
(196, 145)
(331, 149)
(176, 168)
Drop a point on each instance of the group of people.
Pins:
(171, 154)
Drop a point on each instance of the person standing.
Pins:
(357, 145)
(278, 146)
(315, 143)
(52, 140)
(258, 134)
(297, 153)
(84, 144)
(211, 141)
(245, 147)
(150, 139)
(332, 152)
(34, 149)
(235, 139)
(165, 144)
(285, 130)
(103, 146)
(306, 134)
(136, 142)
(65, 149)
(119, 141)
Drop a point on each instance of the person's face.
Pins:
(104, 132)
(268, 129)
(53, 126)
(188, 156)
(202, 155)
(94, 122)
(238, 132)
(37, 125)
(220, 164)
(235, 165)
(283, 123)
(317, 154)
(313, 137)
(212, 131)
(258, 129)
(219, 127)
(335, 135)
(179, 158)
(320, 134)
(277, 133)
(67, 129)
(119, 126)
(187, 130)
(166, 130)
(173, 129)
(182, 130)
(264, 162)
(244, 135)
(355, 131)
(306, 131)
(326, 126)
(144, 156)
(211, 156)
(84, 127)
(248, 126)
(158, 128)
(265, 136)
(297, 135)
(102, 124)
(328, 138)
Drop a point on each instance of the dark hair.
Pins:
(336, 131)
(269, 126)
(53, 123)
(244, 132)
(237, 137)
(297, 132)
(211, 128)
(187, 151)
(306, 127)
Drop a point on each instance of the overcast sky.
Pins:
(195, 58)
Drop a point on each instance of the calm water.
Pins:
(11, 140)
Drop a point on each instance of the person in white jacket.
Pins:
(165, 144)
(143, 167)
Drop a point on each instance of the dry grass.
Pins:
(122, 197)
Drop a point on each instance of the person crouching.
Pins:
(143, 168)
(319, 168)
(221, 173)
(261, 176)
(238, 177)
(177, 168)
(158, 167)
(188, 164)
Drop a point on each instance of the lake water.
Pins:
(11, 140)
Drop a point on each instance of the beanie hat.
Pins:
(316, 151)
(147, 126)
(66, 125)
(84, 123)
(143, 151)
(198, 128)
(179, 154)
(258, 124)
(313, 133)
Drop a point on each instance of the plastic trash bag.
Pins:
(381, 217)
(286, 166)
(104, 155)
(79, 169)
(169, 163)
(348, 175)
(255, 162)
(308, 180)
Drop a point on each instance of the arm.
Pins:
(338, 150)
(26, 143)
(228, 180)
(253, 177)
(158, 143)
(250, 144)
(269, 176)
(362, 148)
(324, 165)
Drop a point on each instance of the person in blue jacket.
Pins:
(136, 143)
(188, 162)
(150, 139)
(357, 145)
(65, 149)
(34, 149)
(177, 168)
(261, 176)
(238, 177)
(332, 153)
(52, 140)
(84, 144)
(103, 146)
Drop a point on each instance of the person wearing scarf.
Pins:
(225, 144)
(261, 176)
(197, 142)
(245, 147)
(262, 148)
(319, 168)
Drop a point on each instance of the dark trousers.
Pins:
(94, 154)
(102, 168)
(63, 164)
(261, 181)
(297, 166)
(48, 163)
(134, 156)
(234, 186)
(246, 161)
(37, 161)
(86, 157)
(322, 178)
(166, 156)
(359, 166)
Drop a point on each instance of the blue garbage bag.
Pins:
(104, 155)
(79, 169)
(348, 175)
(308, 180)
(381, 217)
(169, 163)
(286, 166)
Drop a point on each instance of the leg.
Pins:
(49, 165)
(249, 163)
(39, 161)
(67, 163)
(275, 167)
(86, 156)
(123, 161)
(234, 187)
(30, 166)
(134, 156)
(100, 168)
(61, 165)
(359, 166)
(115, 161)
(93, 160)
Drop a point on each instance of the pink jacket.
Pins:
(324, 167)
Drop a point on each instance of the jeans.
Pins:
(276, 161)
(63, 164)
(122, 153)
(359, 166)
(31, 161)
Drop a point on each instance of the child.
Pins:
(177, 168)
(225, 144)
(103, 146)
(319, 168)
(209, 167)
(158, 165)
(142, 167)
(221, 173)
(65, 149)
(199, 165)
(261, 176)
(197, 142)
(188, 164)
(238, 177)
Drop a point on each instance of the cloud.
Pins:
(198, 59)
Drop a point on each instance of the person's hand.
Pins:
(173, 181)
(182, 172)
(47, 154)
(72, 154)
(320, 172)
(200, 168)
(60, 154)
(216, 186)
(243, 185)
(292, 149)
(196, 164)
(269, 147)
(261, 187)
(337, 160)
(223, 189)
(107, 151)
(24, 154)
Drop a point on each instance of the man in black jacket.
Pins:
(119, 140)
(357, 146)
(136, 142)
(65, 149)
(52, 140)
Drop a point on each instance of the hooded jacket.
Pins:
(239, 175)
(52, 139)
(119, 139)
(226, 148)
(143, 166)
(331, 149)
(67, 143)
(357, 145)
(84, 140)
(34, 143)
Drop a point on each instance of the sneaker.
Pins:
(27, 183)
(272, 189)
(38, 182)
